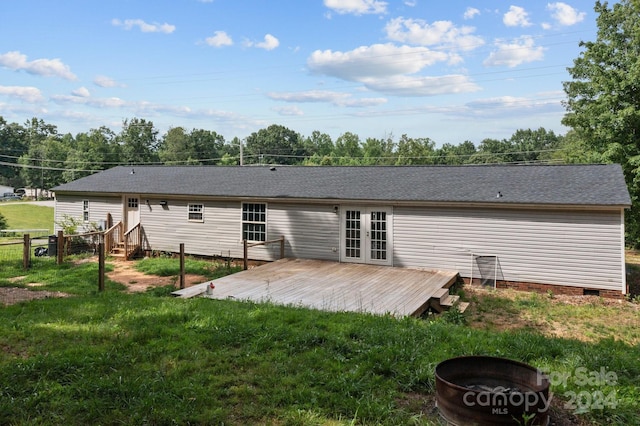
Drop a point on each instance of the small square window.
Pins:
(85, 210)
(196, 213)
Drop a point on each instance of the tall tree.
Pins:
(13, 144)
(530, 146)
(415, 151)
(139, 141)
(378, 151)
(93, 151)
(603, 97)
(347, 149)
(39, 139)
(275, 145)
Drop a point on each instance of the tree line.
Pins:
(36, 155)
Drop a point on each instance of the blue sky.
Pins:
(450, 71)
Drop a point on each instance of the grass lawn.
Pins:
(27, 216)
(121, 358)
(147, 358)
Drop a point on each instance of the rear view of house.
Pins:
(542, 227)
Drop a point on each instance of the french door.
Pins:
(366, 235)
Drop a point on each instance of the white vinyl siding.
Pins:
(73, 206)
(311, 231)
(552, 247)
(165, 228)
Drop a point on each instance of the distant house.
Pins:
(540, 227)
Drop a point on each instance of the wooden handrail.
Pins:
(112, 236)
(132, 241)
(246, 245)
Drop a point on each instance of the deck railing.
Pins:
(247, 244)
(132, 241)
(113, 236)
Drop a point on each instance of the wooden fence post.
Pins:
(246, 255)
(26, 251)
(101, 271)
(60, 247)
(282, 247)
(182, 280)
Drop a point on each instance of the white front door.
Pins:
(132, 211)
(366, 235)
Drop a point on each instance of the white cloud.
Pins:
(104, 81)
(516, 17)
(24, 93)
(112, 102)
(564, 14)
(128, 24)
(219, 39)
(503, 106)
(440, 33)
(44, 67)
(378, 60)
(411, 3)
(288, 110)
(421, 85)
(356, 7)
(83, 92)
(269, 43)
(471, 13)
(519, 51)
(387, 68)
(334, 98)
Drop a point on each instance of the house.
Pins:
(536, 227)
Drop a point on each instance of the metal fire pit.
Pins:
(482, 390)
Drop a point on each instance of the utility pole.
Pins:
(241, 159)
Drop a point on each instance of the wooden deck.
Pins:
(331, 286)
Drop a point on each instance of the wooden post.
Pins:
(101, 271)
(61, 245)
(182, 280)
(246, 255)
(282, 247)
(26, 251)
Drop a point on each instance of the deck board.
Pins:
(331, 286)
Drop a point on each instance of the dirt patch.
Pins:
(125, 273)
(486, 312)
(13, 295)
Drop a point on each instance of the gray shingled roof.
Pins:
(601, 185)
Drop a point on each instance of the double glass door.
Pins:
(366, 234)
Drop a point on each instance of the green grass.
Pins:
(118, 358)
(166, 267)
(27, 216)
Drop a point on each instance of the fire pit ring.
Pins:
(484, 390)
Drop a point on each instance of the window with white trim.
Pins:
(196, 213)
(254, 221)
(85, 210)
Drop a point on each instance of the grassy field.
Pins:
(119, 358)
(27, 216)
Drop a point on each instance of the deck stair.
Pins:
(118, 250)
(442, 300)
